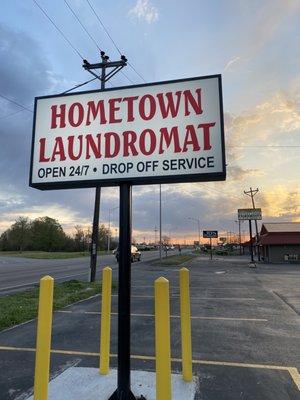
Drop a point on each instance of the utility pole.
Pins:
(113, 67)
(251, 193)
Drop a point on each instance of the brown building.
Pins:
(280, 242)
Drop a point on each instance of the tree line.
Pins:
(47, 234)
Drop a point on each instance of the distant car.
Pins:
(135, 254)
(222, 252)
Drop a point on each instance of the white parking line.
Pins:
(172, 316)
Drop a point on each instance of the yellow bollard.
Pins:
(186, 337)
(105, 321)
(43, 341)
(162, 340)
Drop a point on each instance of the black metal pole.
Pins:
(240, 239)
(251, 244)
(123, 391)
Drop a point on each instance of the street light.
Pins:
(108, 236)
(198, 221)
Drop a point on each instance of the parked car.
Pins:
(135, 254)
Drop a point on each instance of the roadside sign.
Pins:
(210, 234)
(163, 132)
(249, 214)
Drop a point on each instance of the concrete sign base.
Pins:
(77, 383)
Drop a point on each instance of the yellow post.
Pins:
(43, 341)
(105, 321)
(185, 313)
(162, 340)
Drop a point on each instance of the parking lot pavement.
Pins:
(245, 328)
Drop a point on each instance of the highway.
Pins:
(17, 273)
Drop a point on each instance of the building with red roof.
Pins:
(280, 241)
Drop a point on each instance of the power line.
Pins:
(58, 29)
(81, 24)
(109, 35)
(79, 85)
(103, 26)
(219, 191)
(127, 77)
(11, 114)
(143, 79)
(88, 33)
(267, 146)
(16, 103)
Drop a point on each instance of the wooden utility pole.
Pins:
(251, 193)
(113, 67)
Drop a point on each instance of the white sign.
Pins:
(249, 213)
(156, 133)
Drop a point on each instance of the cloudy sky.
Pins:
(253, 44)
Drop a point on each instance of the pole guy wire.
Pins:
(79, 85)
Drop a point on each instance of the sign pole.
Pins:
(123, 391)
(210, 248)
(251, 244)
(160, 243)
(240, 239)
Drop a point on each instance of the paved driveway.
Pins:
(245, 328)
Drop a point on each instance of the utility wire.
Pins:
(268, 146)
(11, 114)
(88, 33)
(58, 29)
(103, 26)
(219, 191)
(127, 77)
(109, 35)
(16, 103)
(81, 24)
(143, 79)
(79, 85)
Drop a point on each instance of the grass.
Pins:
(175, 260)
(23, 306)
(49, 255)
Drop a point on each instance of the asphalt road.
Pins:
(245, 331)
(17, 273)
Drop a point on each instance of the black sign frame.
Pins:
(179, 178)
(206, 235)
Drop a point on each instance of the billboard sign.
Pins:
(249, 214)
(210, 234)
(164, 132)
